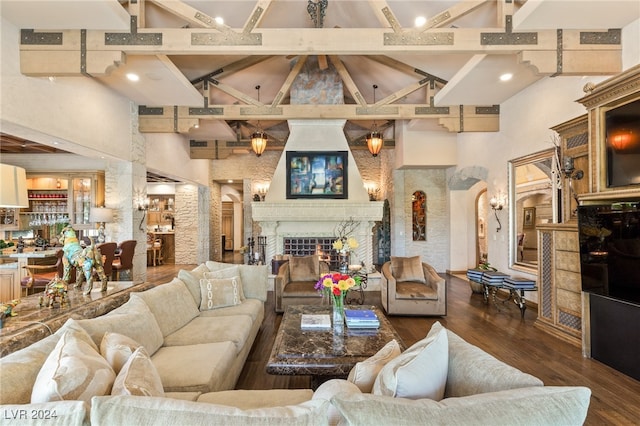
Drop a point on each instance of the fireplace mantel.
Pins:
(325, 210)
(317, 218)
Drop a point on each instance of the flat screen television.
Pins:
(622, 127)
(609, 235)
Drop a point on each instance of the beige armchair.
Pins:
(294, 284)
(412, 287)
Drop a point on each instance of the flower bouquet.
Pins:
(336, 286)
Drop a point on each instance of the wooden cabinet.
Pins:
(56, 198)
(9, 219)
(574, 143)
(559, 281)
(9, 280)
(161, 212)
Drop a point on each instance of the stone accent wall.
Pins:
(187, 224)
(435, 250)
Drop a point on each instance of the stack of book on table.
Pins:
(494, 277)
(315, 322)
(476, 274)
(361, 318)
(520, 283)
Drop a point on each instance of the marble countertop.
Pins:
(34, 254)
(34, 323)
(325, 353)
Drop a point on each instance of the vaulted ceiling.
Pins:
(198, 76)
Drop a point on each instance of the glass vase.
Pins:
(338, 313)
(344, 263)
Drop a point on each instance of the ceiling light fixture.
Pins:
(219, 20)
(420, 21)
(506, 76)
(133, 77)
(374, 138)
(258, 138)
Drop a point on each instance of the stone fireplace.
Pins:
(280, 218)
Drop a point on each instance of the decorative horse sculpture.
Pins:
(87, 261)
(57, 288)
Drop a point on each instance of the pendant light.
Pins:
(258, 138)
(374, 138)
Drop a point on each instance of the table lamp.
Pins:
(101, 215)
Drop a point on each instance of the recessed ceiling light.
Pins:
(506, 76)
(420, 21)
(230, 181)
(56, 143)
(219, 20)
(133, 77)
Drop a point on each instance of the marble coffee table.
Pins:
(324, 354)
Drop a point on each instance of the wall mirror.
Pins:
(533, 200)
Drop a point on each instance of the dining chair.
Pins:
(108, 251)
(125, 260)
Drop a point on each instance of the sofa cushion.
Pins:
(248, 399)
(117, 348)
(133, 319)
(419, 372)
(59, 413)
(253, 308)
(234, 329)
(73, 371)
(255, 278)
(171, 304)
(138, 377)
(220, 293)
(192, 280)
(534, 405)
(465, 378)
(407, 269)
(129, 410)
(200, 367)
(304, 268)
(364, 373)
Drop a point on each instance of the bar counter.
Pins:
(34, 323)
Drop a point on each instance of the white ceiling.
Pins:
(472, 78)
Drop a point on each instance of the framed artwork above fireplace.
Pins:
(317, 174)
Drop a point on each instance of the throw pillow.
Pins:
(192, 280)
(219, 293)
(255, 278)
(364, 373)
(304, 268)
(407, 269)
(220, 274)
(74, 370)
(117, 348)
(420, 372)
(138, 377)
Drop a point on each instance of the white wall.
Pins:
(424, 148)
(169, 153)
(79, 113)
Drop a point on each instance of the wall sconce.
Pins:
(261, 191)
(497, 203)
(373, 191)
(571, 174)
(143, 206)
(101, 215)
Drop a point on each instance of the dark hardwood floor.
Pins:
(615, 397)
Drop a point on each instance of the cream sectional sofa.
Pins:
(197, 355)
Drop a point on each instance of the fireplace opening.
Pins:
(321, 246)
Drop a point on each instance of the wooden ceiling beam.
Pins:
(347, 80)
(295, 70)
(185, 116)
